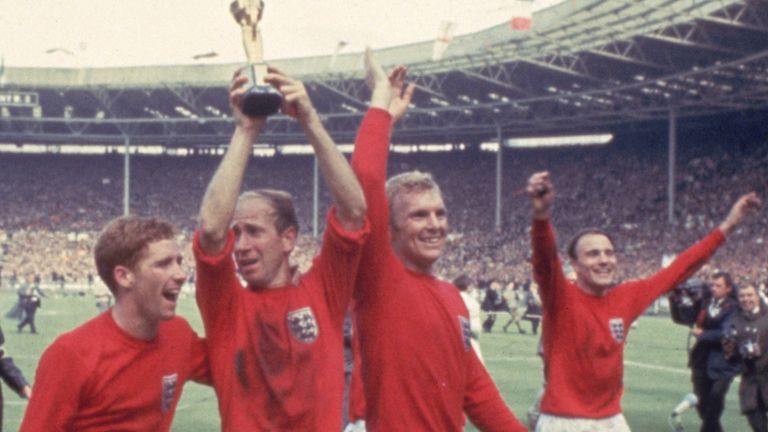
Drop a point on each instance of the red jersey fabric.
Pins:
(99, 378)
(584, 335)
(277, 354)
(419, 371)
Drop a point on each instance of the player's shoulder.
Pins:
(448, 290)
(92, 328)
(82, 341)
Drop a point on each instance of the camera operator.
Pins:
(745, 341)
(706, 310)
(711, 373)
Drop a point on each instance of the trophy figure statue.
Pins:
(261, 99)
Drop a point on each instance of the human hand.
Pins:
(237, 89)
(729, 348)
(399, 100)
(296, 101)
(745, 204)
(541, 191)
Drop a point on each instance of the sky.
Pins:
(108, 33)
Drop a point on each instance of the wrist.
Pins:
(251, 130)
(380, 97)
(309, 118)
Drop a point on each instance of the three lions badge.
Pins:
(303, 325)
(617, 329)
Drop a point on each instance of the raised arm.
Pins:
(692, 259)
(369, 161)
(221, 196)
(547, 270)
(342, 183)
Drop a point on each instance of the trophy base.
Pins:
(261, 99)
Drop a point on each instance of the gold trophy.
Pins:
(261, 99)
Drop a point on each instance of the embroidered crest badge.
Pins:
(169, 390)
(466, 332)
(617, 329)
(303, 325)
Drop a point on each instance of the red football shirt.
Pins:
(276, 354)
(98, 377)
(583, 335)
(419, 370)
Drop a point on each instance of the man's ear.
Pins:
(288, 239)
(123, 276)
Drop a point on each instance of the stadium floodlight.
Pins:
(306, 149)
(559, 141)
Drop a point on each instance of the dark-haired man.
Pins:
(746, 342)
(276, 347)
(125, 369)
(586, 322)
(711, 373)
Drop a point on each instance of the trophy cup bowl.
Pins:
(260, 99)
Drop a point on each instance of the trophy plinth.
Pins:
(260, 99)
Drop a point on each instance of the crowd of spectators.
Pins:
(54, 205)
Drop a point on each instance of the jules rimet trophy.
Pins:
(261, 99)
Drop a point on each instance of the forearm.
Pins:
(338, 175)
(369, 159)
(223, 190)
(12, 375)
(483, 403)
(684, 266)
(544, 257)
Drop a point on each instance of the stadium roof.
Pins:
(585, 65)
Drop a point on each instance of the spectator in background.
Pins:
(30, 303)
(533, 306)
(746, 342)
(493, 303)
(514, 298)
(467, 291)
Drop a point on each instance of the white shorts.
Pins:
(550, 423)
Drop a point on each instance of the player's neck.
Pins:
(133, 323)
(596, 291)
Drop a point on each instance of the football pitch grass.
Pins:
(655, 373)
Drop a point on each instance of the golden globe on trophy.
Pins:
(261, 99)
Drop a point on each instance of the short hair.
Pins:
(282, 203)
(407, 182)
(124, 240)
(575, 240)
(462, 282)
(726, 277)
(749, 285)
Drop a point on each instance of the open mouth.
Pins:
(171, 295)
(243, 263)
